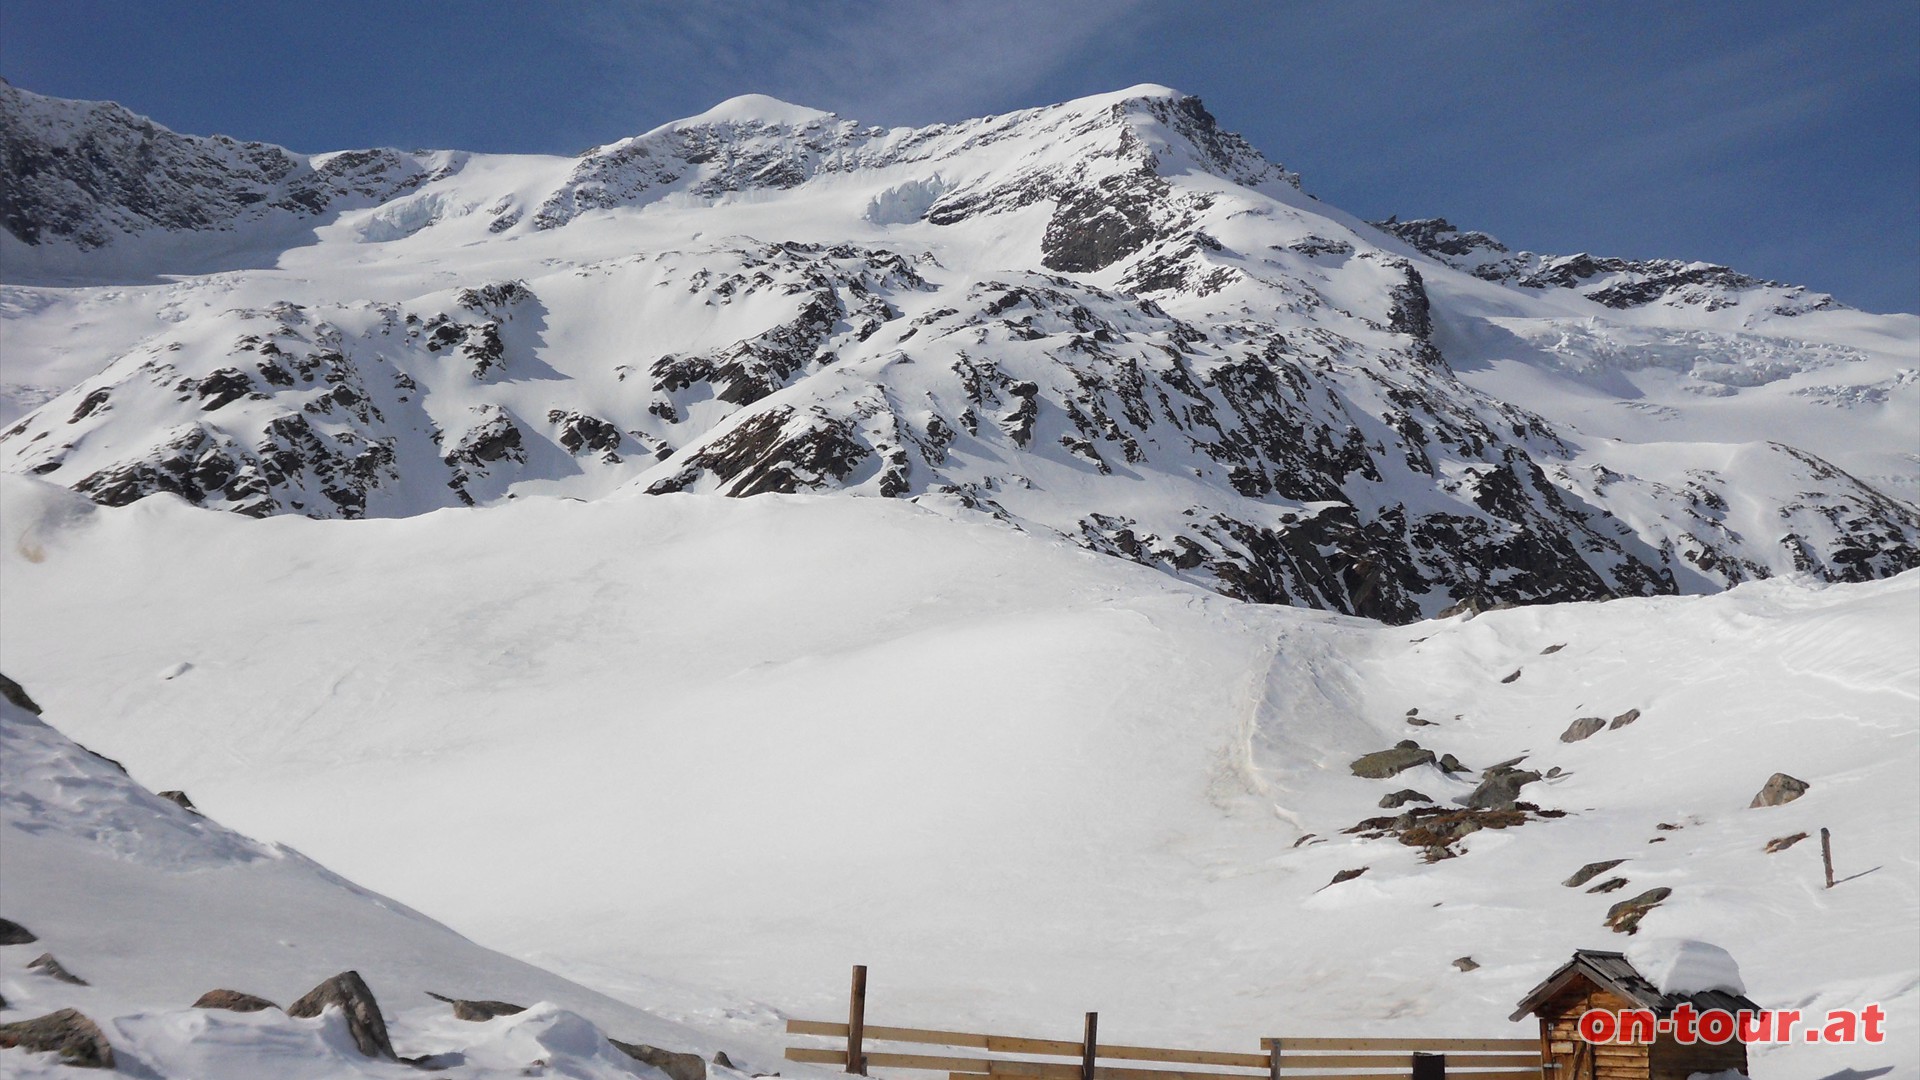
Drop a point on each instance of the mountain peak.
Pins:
(756, 109)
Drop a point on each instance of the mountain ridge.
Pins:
(1108, 320)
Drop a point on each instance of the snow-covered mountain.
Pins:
(1108, 320)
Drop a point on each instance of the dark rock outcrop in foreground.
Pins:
(676, 1065)
(78, 1040)
(364, 1022)
(233, 1001)
(478, 1010)
(12, 933)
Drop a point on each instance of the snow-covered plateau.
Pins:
(1015, 555)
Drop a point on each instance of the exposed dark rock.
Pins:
(1420, 721)
(78, 1040)
(1451, 764)
(478, 1010)
(1382, 764)
(1582, 728)
(179, 798)
(364, 1022)
(1401, 798)
(1668, 826)
(1625, 718)
(1466, 963)
(1782, 843)
(233, 1001)
(1551, 649)
(1778, 790)
(721, 1059)
(1590, 871)
(1435, 828)
(1609, 885)
(1500, 787)
(1512, 677)
(1345, 875)
(46, 965)
(13, 692)
(676, 1065)
(1624, 917)
(12, 933)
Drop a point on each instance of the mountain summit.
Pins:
(1110, 321)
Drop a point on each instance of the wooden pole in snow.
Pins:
(1826, 854)
(1089, 1046)
(857, 1021)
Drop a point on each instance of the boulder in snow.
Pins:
(1780, 788)
(1782, 843)
(78, 1040)
(1590, 871)
(676, 1065)
(478, 1010)
(12, 933)
(364, 1022)
(1382, 764)
(233, 1001)
(1624, 719)
(1582, 728)
(1401, 798)
(46, 965)
(1624, 917)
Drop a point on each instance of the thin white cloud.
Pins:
(889, 63)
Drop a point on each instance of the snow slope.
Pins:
(694, 750)
(153, 905)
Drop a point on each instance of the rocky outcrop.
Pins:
(12, 933)
(78, 1040)
(349, 993)
(1499, 787)
(1401, 798)
(15, 693)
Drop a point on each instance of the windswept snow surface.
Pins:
(704, 753)
(153, 905)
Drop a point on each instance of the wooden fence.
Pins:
(1280, 1058)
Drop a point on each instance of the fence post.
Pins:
(1273, 1058)
(1429, 1066)
(1089, 1047)
(857, 1022)
(1826, 854)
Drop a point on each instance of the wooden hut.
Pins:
(1606, 980)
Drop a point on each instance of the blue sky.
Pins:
(1780, 138)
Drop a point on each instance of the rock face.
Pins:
(12, 933)
(1382, 764)
(676, 1065)
(232, 1001)
(78, 1040)
(1779, 790)
(348, 991)
(478, 1010)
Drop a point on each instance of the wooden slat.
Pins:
(1015, 1044)
(1045, 1070)
(1404, 1060)
(1451, 1075)
(815, 1056)
(1437, 1045)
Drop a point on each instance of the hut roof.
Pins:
(1612, 971)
